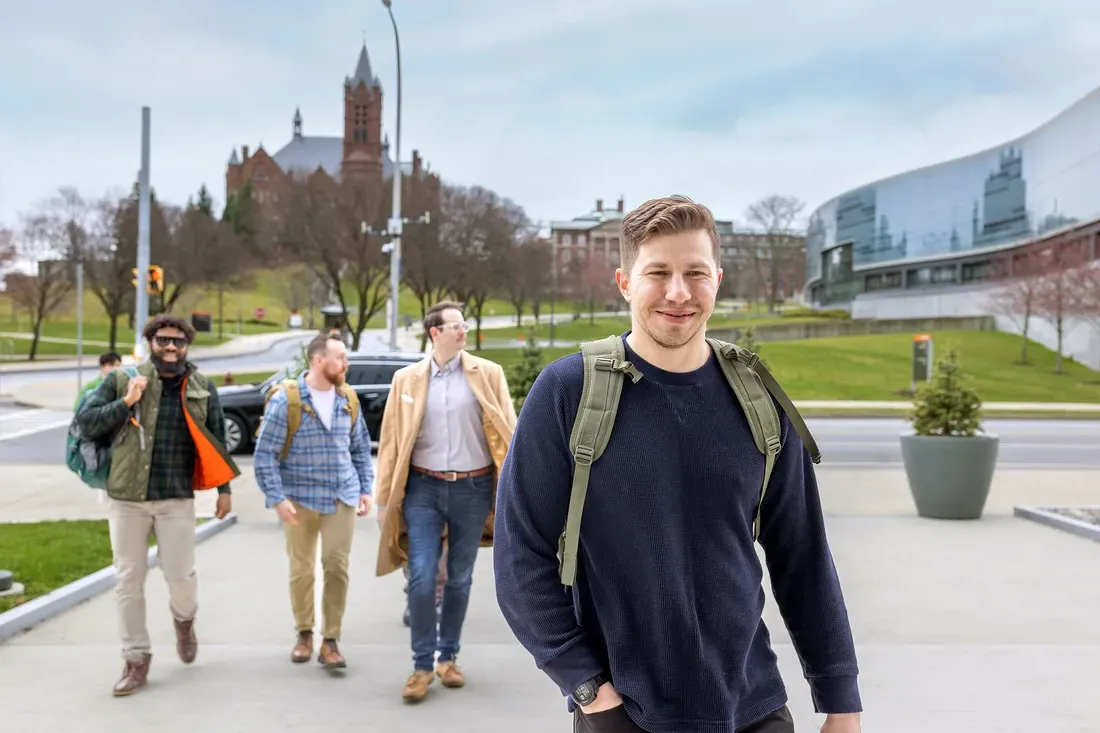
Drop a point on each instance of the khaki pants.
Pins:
(131, 524)
(336, 531)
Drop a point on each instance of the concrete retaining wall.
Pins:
(856, 327)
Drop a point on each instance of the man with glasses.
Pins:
(168, 434)
(445, 434)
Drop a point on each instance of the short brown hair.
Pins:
(434, 317)
(664, 216)
(167, 320)
(319, 345)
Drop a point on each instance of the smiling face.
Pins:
(169, 346)
(671, 287)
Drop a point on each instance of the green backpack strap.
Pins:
(754, 387)
(604, 365)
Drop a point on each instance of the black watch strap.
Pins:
(585, 694)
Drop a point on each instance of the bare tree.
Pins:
(1016, 300)
(426, 264)
(466, 215)
(1087, 287)
(776, 215)
(336, 228)
(597, 283)
(526, 264)
(7, 247)
(1057, 299)
(45, 242)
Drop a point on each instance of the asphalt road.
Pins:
(30, 436)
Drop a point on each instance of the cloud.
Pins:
(552, 104)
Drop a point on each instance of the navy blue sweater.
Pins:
(669, 598)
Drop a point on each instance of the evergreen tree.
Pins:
(522, 375)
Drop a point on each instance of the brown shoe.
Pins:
(303, 648)
(416, 687)
(330, 656)
(186, 643)
(449, 674)
(134, 675)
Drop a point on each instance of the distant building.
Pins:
(588, 245)
(360, 154)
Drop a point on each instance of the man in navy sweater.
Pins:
(665, 617)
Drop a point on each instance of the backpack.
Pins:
(294, 407)
(604, 368)
(89, 459)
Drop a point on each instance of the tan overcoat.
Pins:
(400, 428)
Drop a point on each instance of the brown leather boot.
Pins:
(134, 676)
(416, 687)
(186, 644)
(449, 674)
(303, 649)
(330, 656)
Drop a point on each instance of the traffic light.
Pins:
(155, 285)
(134, 281)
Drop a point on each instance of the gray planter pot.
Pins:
(949, 477)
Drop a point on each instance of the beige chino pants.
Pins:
(335, 531)
(132, 523)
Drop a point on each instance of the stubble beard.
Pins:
(672, 341)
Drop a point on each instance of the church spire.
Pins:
(298, 122)
(363, 71)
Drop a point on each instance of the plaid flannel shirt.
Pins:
(323, 466)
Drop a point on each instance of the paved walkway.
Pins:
(962, 627)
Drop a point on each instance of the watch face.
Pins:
(585, 694)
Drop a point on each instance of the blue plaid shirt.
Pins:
(323, 466)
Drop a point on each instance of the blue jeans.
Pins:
(463, 506)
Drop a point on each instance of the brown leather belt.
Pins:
(454, 475)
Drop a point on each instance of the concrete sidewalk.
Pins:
(961, 627)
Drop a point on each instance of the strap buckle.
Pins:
(583, 455)
(454, 476)
(773, 444)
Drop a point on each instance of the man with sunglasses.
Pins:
(167, 430)
(445, 433)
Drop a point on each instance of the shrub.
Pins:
(946, 405)
(522, 375)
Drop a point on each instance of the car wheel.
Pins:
(236, 434)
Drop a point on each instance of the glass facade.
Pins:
(955, 211)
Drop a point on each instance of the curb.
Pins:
(1042, 515)
(25, 616)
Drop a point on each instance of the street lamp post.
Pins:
(395, 223)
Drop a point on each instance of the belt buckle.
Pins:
(454, 475)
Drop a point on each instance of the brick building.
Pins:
(361, 154)
(587, 246)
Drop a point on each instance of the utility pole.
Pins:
(79, 326)
(141, 299)
(395, 223)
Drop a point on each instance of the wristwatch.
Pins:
(585, 694)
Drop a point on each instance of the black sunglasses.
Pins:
(178, 341)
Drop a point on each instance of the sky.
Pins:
(552, 104)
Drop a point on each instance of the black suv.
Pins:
(369, 374)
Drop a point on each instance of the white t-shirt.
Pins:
(325, 404)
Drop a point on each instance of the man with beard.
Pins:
(661, 626)
(313, 464)
(168, 441)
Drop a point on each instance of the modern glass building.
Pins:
(941, 227)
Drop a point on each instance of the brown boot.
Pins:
(186, 643)
(449, 674)
(330, 656)
(416, 687)
(134, 676)
(303, 648)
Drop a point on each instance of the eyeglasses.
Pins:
(455, 327)
(178, 341)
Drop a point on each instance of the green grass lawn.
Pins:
(45, 556)
(240, 378)
(879, 367)
(587, 329)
